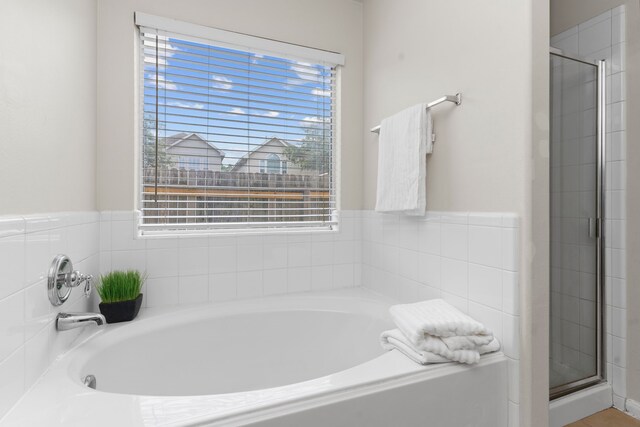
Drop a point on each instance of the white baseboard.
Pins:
(619, 402)
(633, 408)
(578, 405)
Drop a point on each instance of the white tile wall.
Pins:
(470, 260)
(28, 340)
(603, 37)
(181, 270)
(402, 257)
(195, 269)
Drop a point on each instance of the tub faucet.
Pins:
(66, 321)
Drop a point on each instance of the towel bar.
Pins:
(457, 99)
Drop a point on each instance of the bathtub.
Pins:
(299, 360)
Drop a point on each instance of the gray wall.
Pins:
(47, 106)
(412, 54)
(496, 54)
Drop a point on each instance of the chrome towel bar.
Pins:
(457, 99)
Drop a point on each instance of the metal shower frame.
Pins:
(598, 224)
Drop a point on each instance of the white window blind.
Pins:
(233, 138)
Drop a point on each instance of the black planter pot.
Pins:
(121, 311)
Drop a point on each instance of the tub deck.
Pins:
(387, 390)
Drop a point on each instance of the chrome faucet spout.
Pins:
(66, 321)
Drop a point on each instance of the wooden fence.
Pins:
(180, 196)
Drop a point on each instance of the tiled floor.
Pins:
(607, 418)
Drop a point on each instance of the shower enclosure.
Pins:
(577, 211)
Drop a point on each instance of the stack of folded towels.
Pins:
(434, 331)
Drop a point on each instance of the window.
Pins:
(195, 163)
(273, 163)
(234, 107)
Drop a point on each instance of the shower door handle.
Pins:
(594, 227)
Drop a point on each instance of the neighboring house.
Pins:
(192, 152)
(269, 158)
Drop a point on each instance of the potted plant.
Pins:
(120, 295)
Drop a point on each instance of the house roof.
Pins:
(243, 160)
(181, 137)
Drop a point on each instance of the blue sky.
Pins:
(221, 89)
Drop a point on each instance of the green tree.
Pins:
(149, 146)
(314, 153)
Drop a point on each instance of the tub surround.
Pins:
(198, 269)
(30, 342)
(348, 392)
(182, 270)
(469, 259)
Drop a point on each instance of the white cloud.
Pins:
(295, 82)
(315, 119)
(272, 114)
(195, 105)
(309, 72)
(166, 50)
(164, 44)
(222, 82)
(305, 71)
(238, 111)
(320, 92)
(256, 57)
(164, 83)
(152, 60)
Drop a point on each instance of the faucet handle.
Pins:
(62, 278)
(76, 279)
(88, 286)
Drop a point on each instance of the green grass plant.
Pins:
(120, 286)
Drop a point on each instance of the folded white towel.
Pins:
(395, 339)
(466, 342)
(439, 319)
(404, 142)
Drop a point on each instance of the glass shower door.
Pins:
(576, 255)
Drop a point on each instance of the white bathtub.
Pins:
(304, 360)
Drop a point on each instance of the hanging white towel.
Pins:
(438, 318)
(404, 142)
(395, 339)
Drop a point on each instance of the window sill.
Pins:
(164, 234)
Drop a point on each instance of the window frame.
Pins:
(274, 163)
(223, 38)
